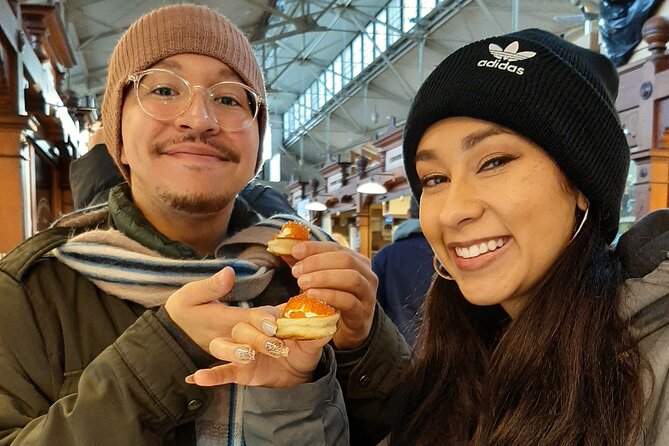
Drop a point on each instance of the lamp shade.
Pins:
(371, 188)
(315, 205)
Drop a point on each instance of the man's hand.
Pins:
(344, 279)
(257, 358)
(196, 309)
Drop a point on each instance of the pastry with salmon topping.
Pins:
(290, 234)
(305, 318)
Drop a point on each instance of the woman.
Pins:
(515, 149)
(535, 332)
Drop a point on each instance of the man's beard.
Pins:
(196, 204)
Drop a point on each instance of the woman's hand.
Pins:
(344, 279)
(257, 358)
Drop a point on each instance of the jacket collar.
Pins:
(643, 250)
(646, 301)
(128, 219)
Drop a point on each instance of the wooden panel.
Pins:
(47, 17)
(628, 91)
(630, 121)
(641, 197)
(661, 121)
(659, 180)
(11, 29)
(661, 85)
(658, 197)
(12, 228)
(660, 173)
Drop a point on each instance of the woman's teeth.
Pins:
(479, 248)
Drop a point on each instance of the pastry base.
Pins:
(305, 328)
(282, 246)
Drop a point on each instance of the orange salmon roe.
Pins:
(295, 231)
(301, 304)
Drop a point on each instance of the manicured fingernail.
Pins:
(268, 328)
(297, 269)
(276, 349)
(190, 379)
(245, 354)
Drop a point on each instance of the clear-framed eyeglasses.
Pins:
(165, 95)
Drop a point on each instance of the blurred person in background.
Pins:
(404, 269)
(93, 174)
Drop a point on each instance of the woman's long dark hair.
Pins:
(566, 371)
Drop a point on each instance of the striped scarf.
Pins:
(128, 270)
(124, 268)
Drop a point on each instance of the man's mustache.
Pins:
(159, 147)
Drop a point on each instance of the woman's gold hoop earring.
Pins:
(439, 269)
(580, 226)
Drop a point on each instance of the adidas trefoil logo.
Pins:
(504, 57)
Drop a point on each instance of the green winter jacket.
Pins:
(80, 367)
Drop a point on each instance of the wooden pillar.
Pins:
(13, 228)
(651, 155)
(25, 88)
(12, 222)
(362, 221)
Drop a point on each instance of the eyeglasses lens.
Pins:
(164, 95)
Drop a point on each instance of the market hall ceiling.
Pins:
(296, 40)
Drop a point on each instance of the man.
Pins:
(404, 269)
(106, 314)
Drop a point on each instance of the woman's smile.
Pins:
(480, 254)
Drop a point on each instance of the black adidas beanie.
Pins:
(544, 88)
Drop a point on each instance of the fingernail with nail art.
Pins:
(245, 354)
(268, 328)
(276, 349)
